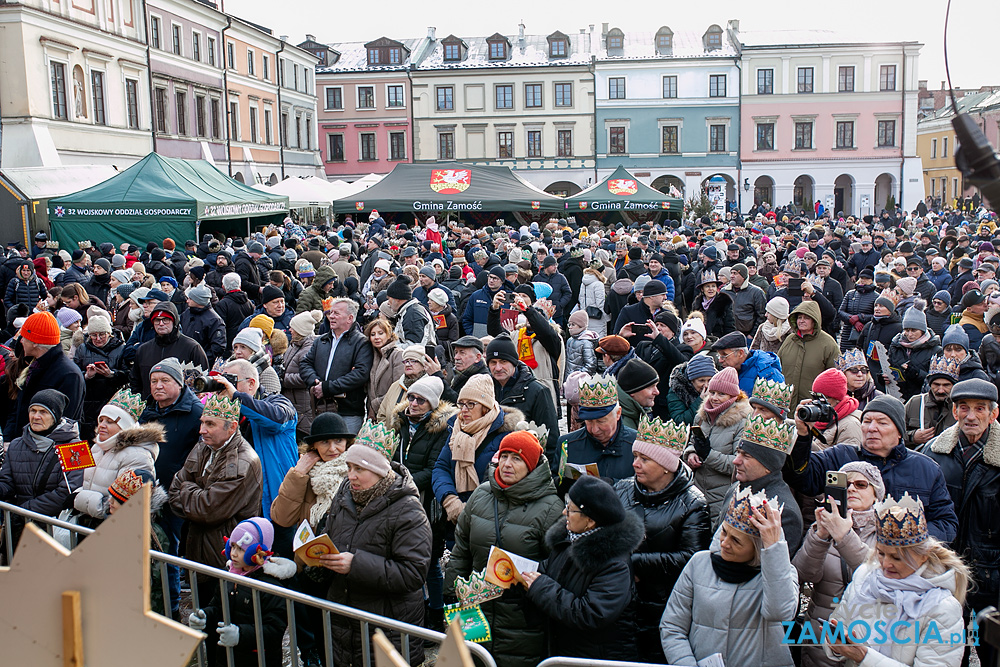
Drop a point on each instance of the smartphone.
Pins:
(795, 287)
(430, 351)
(695, 432)
(640, 329)
(101, 364)
(836, 487)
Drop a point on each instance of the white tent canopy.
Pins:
(313, 191)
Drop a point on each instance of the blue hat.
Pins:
(169, 279)
(955, 335)
(542, 290)
(943, 295)
(157, 295)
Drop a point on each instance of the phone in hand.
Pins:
(101, 364)
(640, 329)
(836, 487)
(795, 287)
(430, 351)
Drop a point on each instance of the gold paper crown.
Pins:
(540, 432)
(132, 404)
(377, 436)
(853, 358)
(739, 512)
(901, 523)
(663, 434)
(476, 590)
(598, 391)
(777, 394)
(777, 435)
(941, 365)
(220, 407)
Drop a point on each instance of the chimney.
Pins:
(942, 85)
(431, 33)
(734, 25)
(284, 38)
(520, 35)
(922, 84)
(310, 38)
(604, 30)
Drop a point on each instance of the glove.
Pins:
(859, 326)
(701, 445)
(196, 621)
(229, 635)
(452, 507)
(855, 319)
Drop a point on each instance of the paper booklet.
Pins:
(576, 470)
(504, 568)
(308, 547)
(714, 660)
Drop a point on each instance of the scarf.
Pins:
(325, 479)
(733, 573)
(912, 597)
(525, 350)
(573, 537)
(106, 445)
(465, 440)
(39, 441)
(705, 303)
(379, 488)
(774, 332)
(920, 341)
(713, 413)
(844, 408)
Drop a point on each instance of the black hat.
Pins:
(635, 253)
(270, 293)
(972, 298)
(327, 426)
(892, 408)
(52, 400)
(549, 261)
(469, 341)
(498, 272)
(732, 340)
(867, 273)
(914, 261)
(966, 263)
(502, 348)
(636, 375)
(400, 289)
(597, 500)
(905, 246)
(528, 290)
(732, 247)
(668, 318)
(653, 288)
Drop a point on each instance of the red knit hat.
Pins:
(832, 384)
(726, 382)
(525, 445)
(41, 329)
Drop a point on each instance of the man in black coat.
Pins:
(654, 293)
(561, 292)
(468, 353)
(635, 266)
(245, 264)
(572, 269)
(168, 341)
(202, 324)
(234, 307)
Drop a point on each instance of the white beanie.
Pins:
(778, 306)
(430, 387)
(305, 323)
(695, 324)
(251, 337)
(116, 414)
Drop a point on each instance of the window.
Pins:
(803, 135)
(394, 96)
(367, 140)
(765, 137)
(564, 143)
(281, 71)
(234, 121)
(616, 40)
(334, 98)
(669, 87)
(505, 97)
(564, 94)
(452, 52)
(267, 67)
(160, 102)
(283, 129)
(250, 63)
(805, 79)
(616, 141)
(154, 31)
(196, 46)
(713, 40)
(954, 186)
(616, 88)
(268, 136)
(498, 50)
(670, 139)
(336, 146)
(533, 95)
(845, 134)
(373, 56)
(933, 148)
(366, 97)
(845, 79)
(887, 133)
(180, 104)
(717, 85)
(216, 114)
(534, 143)
(446, 146)
(132, 103)
(887, 77)
(505, 145)
(445, 98)
(397, 145)
(231, 55)
(59, 91)
(557, 48)
(211, 51)
(97, 90)
(298, 130)
(765, 82)
(395, 55)
(944, 147)
(717, 138)
(663, 42)
(199, 115)
(295, 77)
(176, 31)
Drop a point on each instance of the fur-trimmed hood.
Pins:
(157, 500)
(681, 385)
(592, 552)
(436, 423)
(736, 413)
(152, 433)
(511, 416)
(945, 443)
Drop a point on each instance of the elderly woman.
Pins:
(911, 352)
(521, 499)
(720, 419)
(734, 601)
(854, 366)
(303, 328)
(715, 305)
(835, 546)
(693, 333)
(687, 385)
(378, 523)
(414, 367)
(387, 366)
(585, 586)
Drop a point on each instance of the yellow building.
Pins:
(936, 144)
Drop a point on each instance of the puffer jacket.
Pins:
(859, 301)
(592, 296)
(524, 512)
(587, 593)
(580, 355)
(677, 526)
(419, 451)
(31, 476)
(233, 307)
(205, 327)
(682, 399)
(805, 357)
(443, 475)
(294, 387)
(917, 359)
(882, 330)
(27, 291)
(715, 474)
(99, 389)
(132, 449)
(312, 296)
(762, 365)
(387, 367)
(391, 542)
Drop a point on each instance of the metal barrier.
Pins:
(559, 661)
(367, 620)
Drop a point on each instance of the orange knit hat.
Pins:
(524, 444)
(41, 329)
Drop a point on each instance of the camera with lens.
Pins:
(210, 383)
(819, 410)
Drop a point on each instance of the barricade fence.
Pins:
(191, 570)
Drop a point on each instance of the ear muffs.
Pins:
(254, 553)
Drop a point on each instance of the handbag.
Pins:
(594, 313)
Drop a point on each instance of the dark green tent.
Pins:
(449, 187)
(155, 198)
(623, 192)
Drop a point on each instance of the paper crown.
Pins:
(941, 365)
(476, 590)
(598, 391)
(222, 408)
(851, 359)
(774, 393)
(327, 304)
(125, 486)
(739, 512)
(131, 404)
(540, 432)
(663, 434)
(901, 523)
(379, 437)
(776, 435)
(190, 371)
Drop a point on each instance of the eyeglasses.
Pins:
(859, 484)
(413, 398)
(860, 370)
(723, 357)
(912, 269)
(466, 405)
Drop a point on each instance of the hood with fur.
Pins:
(437, 422)
(736, 413)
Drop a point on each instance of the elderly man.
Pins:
(750, 365)
(903, 470)
(468, 353)
(275, 307)
(749, 301)
(604, 438)
(930, 413)
(477, 308)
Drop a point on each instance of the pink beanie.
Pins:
(727, 382)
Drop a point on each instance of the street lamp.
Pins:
(746, 185)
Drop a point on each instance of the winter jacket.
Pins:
(312, 296)
(293, 387)
(215, 490)
(282, 323)
(53, 370)
(174, 344)
(233, 308)
(743, 622)
(882, 330)
(132, 449)
(181, 422)
(636, 313)
(715, 474)
(586, 591)
(580, 355)
(859, 301)
(344, 383)
(524, 512)
(205, 327)
(534, 400)
(391, 542)
(247, 269)
(772, 485)
(443, 475)
(863, 260)
(936, 415)
(748, 307)
(27, 291)
(663, 355)
(387, 367)
(677, 526)
(917, 360)
(719, 315)
(99, 389)
(592, 295)
(268, 424)
(31, 476)
(572, 269)
(445, 327)
(938, 322)
(419, 450)
(562, 295)
(476, 312)
(617, 299)
(971, 367)
(632, 270)
(682, 399)
(614, 461)
(805, 357)
(759, 365)
(414, 325)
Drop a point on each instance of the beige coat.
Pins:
(387, 367)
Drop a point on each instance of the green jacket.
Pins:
(312, 296)
(524, 512)
(805, 357)
(632, 412)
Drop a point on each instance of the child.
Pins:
(69, 321)
(248, 549)
(580, 354)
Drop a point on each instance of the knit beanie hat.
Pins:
(906, 285)
(251, 337)
(264, 323)
(523, 443)
(695, 324)
(98, 324)
(700, 366)
(953, 335)
(305, 323)
(104, 264)
(668, 318)
(430, 387)
(129, 482)
(597, 500)
(200, 294)
(778, 307)
(914, 318)
(172, 367)
(870, 472)
(640, 283)
(400, 289)
(270, 293)
(67, 317)
(479, 388)
(117, 261)
(373, 448)
(52, 400)
(887, 303)
(124, 408)
(727, 382)
(41, 329)
(742, 270)
(438, 296)
(890, 407)
(255, 536)
(831, 383)
(579, 318)
(503, 348)
(943, 295)
(636, 375)
(121, 276)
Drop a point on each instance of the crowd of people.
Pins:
(657, 413)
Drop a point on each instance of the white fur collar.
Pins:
(945, 443)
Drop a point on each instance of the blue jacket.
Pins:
(941, 279)
(443, 477)
(665, 278)
(272, 421)
(477, 311)
(284, 322)
(614, 461)
(759, 364)
(181, 422)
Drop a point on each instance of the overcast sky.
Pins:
(972, 45)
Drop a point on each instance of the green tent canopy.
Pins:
(449, 187)
(155, 198)
(623, 192)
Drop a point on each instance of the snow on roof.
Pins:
(534, 52)
(354, 57)
(684, 44)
